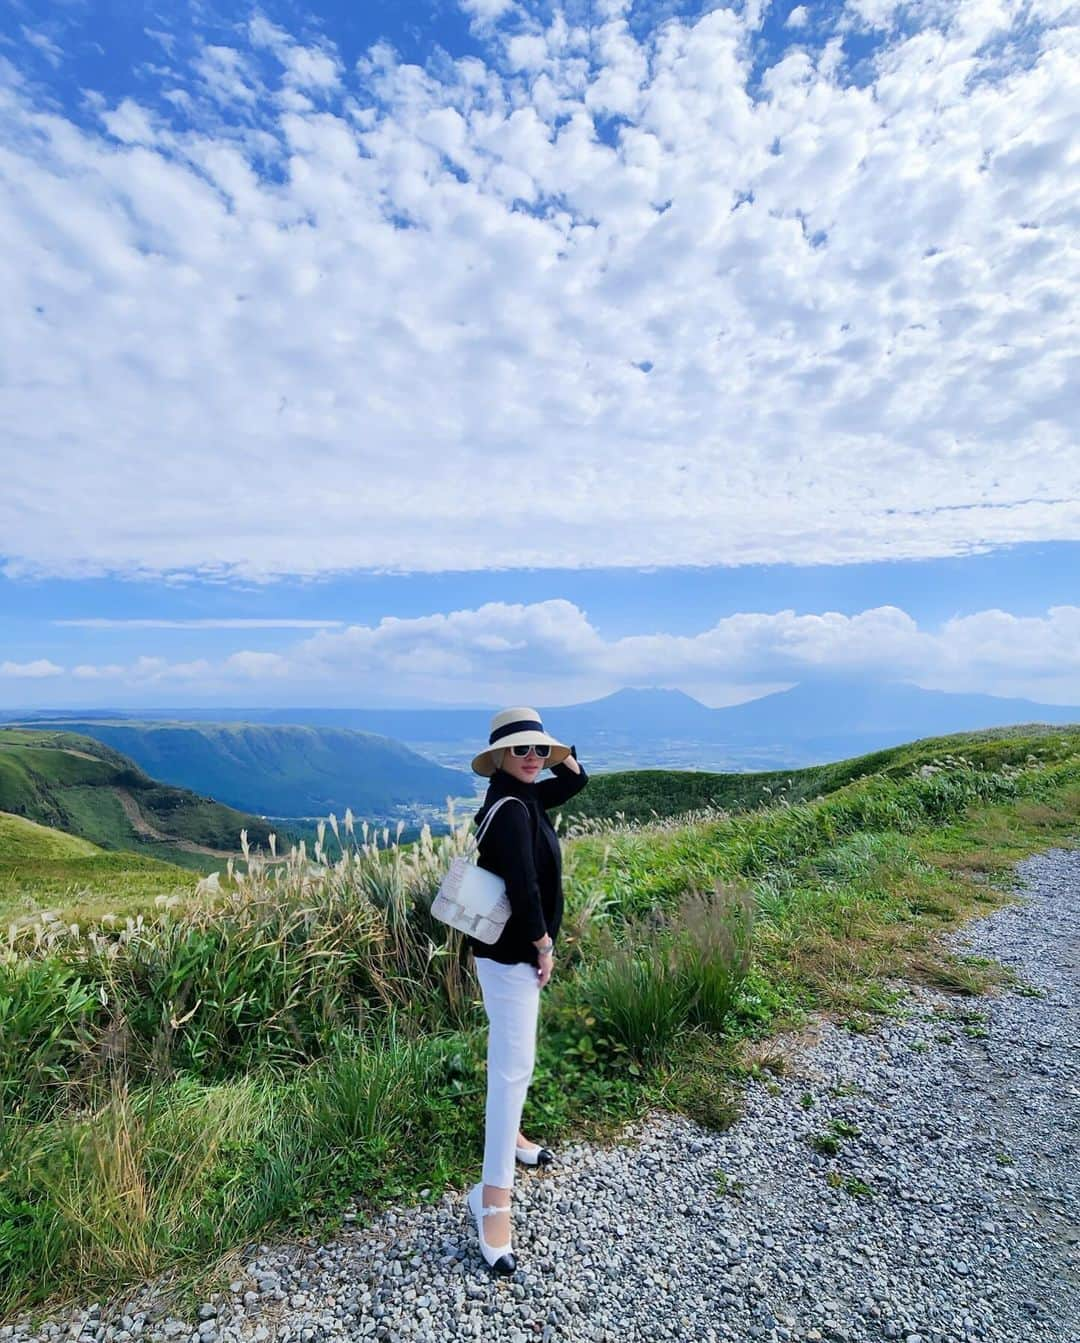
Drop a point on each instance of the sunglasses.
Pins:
(542, 751)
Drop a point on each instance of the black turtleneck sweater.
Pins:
(522, 847)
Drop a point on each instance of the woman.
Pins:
(521, 846)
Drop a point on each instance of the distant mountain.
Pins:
(811, 723)
(282, 770)
(828, 708)
(630, 713)
(824, 719)
(625, 713)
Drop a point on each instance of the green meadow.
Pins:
(302, 1037)
(46, 869)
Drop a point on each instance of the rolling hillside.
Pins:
(640, 794)
(281, 770)
(78, 785)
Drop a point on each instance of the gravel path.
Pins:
(948, 1214)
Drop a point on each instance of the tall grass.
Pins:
(278, 960)
(361, 1098)
(712, 938)
(285, 954)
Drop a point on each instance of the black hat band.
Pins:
(524, 725)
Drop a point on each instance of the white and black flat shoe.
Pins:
(499, 1257)
(534, 1156)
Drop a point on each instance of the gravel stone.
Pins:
(950, 1212)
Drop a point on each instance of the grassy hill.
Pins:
(42, 868)
(642, 794)
(27, 842)
(281, 770)
(319, 1044)
(75, 784)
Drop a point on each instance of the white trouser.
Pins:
(512, 1003)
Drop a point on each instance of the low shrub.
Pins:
(711, 945)
(639, 997)
(676, 972)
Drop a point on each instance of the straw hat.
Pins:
(517, 727)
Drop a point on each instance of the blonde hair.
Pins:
(498, 756)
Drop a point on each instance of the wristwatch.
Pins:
(546, 949)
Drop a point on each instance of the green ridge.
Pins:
(641, 795)
(281, 769)
(78, 785)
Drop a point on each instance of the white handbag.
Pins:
(472, 899)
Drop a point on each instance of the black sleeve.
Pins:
(562, 786)
(508, 846)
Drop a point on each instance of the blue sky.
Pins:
(495, 351)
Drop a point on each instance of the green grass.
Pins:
(85, 891)
(97, 812)
(266, 1060)
(33, 843)
(27, 766)
(46, 869)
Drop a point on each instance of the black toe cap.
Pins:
(506, 1263)
(545, 1157)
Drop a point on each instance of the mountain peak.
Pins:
(842, 707)
(643, 696)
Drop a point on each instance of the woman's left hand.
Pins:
(545, 967)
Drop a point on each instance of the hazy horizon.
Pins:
(162, 711)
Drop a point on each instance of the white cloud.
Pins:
(799, 17)
(875, 13)
(112, 671)
(527, 51)
(53, 53)
(487, 11)
(302, 319)
(31, 671)
(550, 652)
(309, 68)
(257, 666)
(305, 66)
(130, 123)
(167, 40)
(226, 75)
(147, 671)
